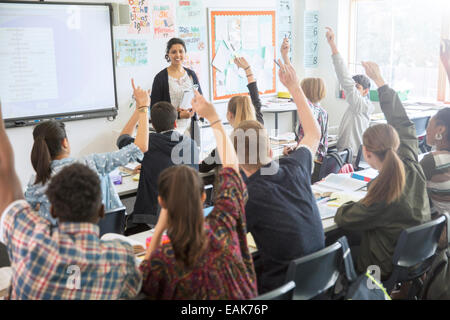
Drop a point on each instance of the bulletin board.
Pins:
(246, 33)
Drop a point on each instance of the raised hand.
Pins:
(141, 96)
(204, 108)
(373, 72)
(287, 75)
(284, 50)
(186, 113)
(330, 35)
(241, 63)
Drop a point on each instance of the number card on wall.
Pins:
(241, 33)
(284, 12)
(311, 36)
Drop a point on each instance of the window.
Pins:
(403, 37)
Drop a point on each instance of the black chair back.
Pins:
(414, 252)
(316, 272)
(285, 292)
(334, 161)
(113, 221)
(4, 258)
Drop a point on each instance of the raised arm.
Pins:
(10, 189)
(142, 105)
(241, 62)
(285, 46)
(395, 113)
(309, 123)
(224, 146)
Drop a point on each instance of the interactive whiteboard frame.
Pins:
(79, 115)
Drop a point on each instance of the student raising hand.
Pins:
(373, 72)
(284, 50)
(141, 96)
(287, 75)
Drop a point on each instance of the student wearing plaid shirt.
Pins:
(68, 261)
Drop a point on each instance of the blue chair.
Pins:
(315, 273)
(414, 254)
(113, 221)
(285, 292)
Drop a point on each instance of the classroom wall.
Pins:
(99, 135)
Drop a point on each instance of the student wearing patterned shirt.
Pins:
(206, 258)
(436, 164)
(51, 153)
(69, 261)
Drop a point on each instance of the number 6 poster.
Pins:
(311, 36)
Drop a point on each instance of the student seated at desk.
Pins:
(68, 261)
(239, 108)
(51, 153)
(281, 211)
(397, 198)
(436, 164)
(314, 90)
(166, 147)
(206, 258)
(356, 118)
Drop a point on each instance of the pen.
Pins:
(332, 199)
(277, 63)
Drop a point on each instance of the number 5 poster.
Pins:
(311, 36)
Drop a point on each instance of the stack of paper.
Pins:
(342, 182)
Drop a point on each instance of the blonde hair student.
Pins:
(314, 89)
(397, 199)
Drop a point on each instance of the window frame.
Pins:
(443, 86)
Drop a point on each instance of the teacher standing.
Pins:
(170, 83)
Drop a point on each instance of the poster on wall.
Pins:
(139, 16)
(192, 61)
(191, 24)
(311, 36)
(284, 11)
(163, 20)
(131, 52)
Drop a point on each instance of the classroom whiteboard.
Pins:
(56, 60)
(246, 33)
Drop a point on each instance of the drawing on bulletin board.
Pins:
(243, 33)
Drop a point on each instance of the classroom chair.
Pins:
(414, 254)
(315, 273)
(421, 132)
(4, 258)
(113, 221)
(285, 292)
(333, 162)
(360, 163)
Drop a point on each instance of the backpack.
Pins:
(437, 282)
(334, 161)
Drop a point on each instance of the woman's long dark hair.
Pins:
(181, 189)
(48, 137)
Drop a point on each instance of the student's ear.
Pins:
(203, 197)
(65, 145)
(161, 202)
(270, 153)
(366, 92)
(175, 124)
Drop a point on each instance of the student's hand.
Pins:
(186, 113)
(287, 150)
(373, 72)
(330, 36)
(285, 50)
(204, 108)
(241, 63)
(161, 225)
(287, 76)
(141, 96)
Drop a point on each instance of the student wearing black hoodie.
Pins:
(166, 148)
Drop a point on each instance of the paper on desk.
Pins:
(221, 58)
(342, 182)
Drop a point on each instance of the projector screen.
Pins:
(56, 61)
